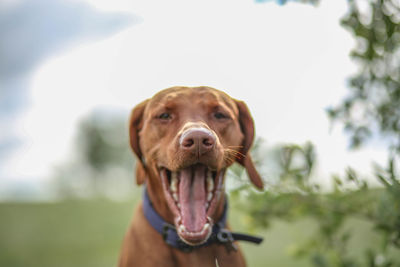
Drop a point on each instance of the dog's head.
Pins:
(185, 138)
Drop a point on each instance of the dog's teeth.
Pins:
(182, 228)
(207, 205)
(207, 225)
(209, 196)
(179, 205)
(210, 182)
(175, 196)
(174, 182)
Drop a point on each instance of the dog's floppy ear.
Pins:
(135, 125)
(247, 127)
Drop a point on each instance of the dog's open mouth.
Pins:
(192, 194)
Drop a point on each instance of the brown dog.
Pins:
(185, 138)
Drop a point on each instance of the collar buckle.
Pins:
(226, 238)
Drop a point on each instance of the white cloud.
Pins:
(288, 63)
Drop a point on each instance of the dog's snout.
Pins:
(197, 140)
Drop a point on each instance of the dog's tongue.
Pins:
(192, 197)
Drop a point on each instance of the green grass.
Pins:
(89, 233)
(73, 233)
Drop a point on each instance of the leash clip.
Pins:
(225, 237)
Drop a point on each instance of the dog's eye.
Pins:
(220, 116)
(164, 116)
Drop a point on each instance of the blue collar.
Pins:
(219, 233)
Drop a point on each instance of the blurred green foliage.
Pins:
(103, 142)
(373, 104)
(371, 109)
(296, 197)
(102, 162)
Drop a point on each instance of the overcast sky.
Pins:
(288, 63)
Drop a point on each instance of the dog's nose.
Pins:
(197, 140)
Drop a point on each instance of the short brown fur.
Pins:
(154, 143)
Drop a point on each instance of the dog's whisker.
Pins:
(231, 156)
(235, 146)
(234, 152)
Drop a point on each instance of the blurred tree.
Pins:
(373, 104)
(372, 108)
(295, 197)
(103, 141)
(102, 161)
